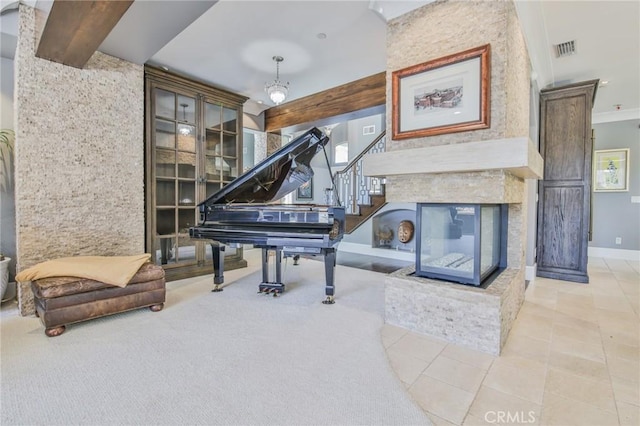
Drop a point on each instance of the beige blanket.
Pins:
(114, 270)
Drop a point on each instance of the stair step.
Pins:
(353, 221)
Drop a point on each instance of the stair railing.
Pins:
(352, 188)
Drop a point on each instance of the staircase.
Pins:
(354, 220)
(362, 196)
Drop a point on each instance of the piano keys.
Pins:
(246, 212)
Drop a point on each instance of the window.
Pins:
(248, 149)
(341, 153)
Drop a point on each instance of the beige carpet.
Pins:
(229, 358)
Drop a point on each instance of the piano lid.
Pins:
(277, 175)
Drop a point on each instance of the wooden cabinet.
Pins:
(193, 147)
(564, 208)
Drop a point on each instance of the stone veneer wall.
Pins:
(259, 147)
(447, 27)
(79, 156)
(433, 31)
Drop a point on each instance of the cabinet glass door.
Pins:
(221, 143)
(175, 177)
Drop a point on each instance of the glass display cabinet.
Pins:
(193, 148)
(463, 243)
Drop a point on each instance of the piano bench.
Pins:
(61, 301)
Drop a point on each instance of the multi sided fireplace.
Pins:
(464, 243)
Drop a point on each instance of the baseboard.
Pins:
(530, 272)
(371, 251)
(614, 253)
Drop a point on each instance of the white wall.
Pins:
(7, 198)
(6, 93)
(614, 213)
(532, 184)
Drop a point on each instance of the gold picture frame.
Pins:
(611, 170)
(445, 95)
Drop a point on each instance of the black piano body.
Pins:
(245, 212)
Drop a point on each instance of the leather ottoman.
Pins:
(60, 301)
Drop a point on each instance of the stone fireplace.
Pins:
(484, 166)
(481, 172)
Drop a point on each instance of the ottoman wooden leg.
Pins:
(156, 308)
(54, 331)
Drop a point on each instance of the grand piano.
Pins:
(246, 212)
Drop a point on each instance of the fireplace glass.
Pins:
(463, 243)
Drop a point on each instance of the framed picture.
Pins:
(446, 95)
(305, 191)
(611, 170)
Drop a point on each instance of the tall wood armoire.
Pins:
(564, 208)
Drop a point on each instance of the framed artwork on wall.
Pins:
(445, 95)
(305, 191)
(611, 170)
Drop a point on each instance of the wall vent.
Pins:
(565, 49)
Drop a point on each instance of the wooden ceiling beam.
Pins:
(358, 95)
(75, 29)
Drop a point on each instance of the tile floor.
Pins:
(572, 358)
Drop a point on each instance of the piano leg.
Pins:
(329, 268)
(218, 266)
(268, 286)
(265, 264)
(278, 260)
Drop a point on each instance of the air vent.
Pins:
(565, 49)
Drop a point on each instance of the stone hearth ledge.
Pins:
(515, 155)
(474, 317)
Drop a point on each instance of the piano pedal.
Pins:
(271, 288)
(328, 301)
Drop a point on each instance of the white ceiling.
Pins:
(230, 43)
(607, 37)
(233, 43)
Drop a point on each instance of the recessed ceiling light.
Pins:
(259, 102)
(165, 68)
(322, 36)
(604, 83)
